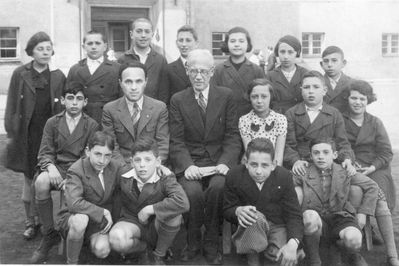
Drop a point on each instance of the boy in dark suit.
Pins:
(333, 61)
(187, 40)
(65, 137)
(152, 206)
(141, 51)
(313, 119)
(261, 194)
(98, 75)
(204, 145)
(327, 211)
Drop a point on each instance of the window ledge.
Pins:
(10, 61)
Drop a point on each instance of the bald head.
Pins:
(200, 56)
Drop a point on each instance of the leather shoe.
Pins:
(188, 254)
(214, 259)
(31, 231)
(356, 259)
(48, 241)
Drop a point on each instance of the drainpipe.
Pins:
(163, 28)
(80, 27)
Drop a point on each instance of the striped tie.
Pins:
(136, 112)
(201, 102)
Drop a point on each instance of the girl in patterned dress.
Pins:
(261, 121)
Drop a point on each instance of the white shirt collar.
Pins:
(98, 60)
(336, 79)
(140, 184)
(183, 60)
(70, 118)
(310, 109)
(139, 103)
(205, 93)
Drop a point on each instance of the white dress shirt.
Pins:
(72, 122)
(94, 64)
(313, 112)
(142, 57)
(130, 106)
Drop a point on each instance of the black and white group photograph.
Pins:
(199, 132)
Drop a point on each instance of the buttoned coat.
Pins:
(167, 197)
(287, 94)
(153, 123)
(372, 147)
(191, 139)
(337, 97)
(84, 193)
(157, 81)
(21, 102)
(100, 88)
(328, 124)
(238, 81)
(177, 77)
(277, 199)
(61, 148)
(338, 199)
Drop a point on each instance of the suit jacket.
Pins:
(339, 194)
(157, 81)
(61, 148)
(21, 100)
(238, 81)
(287, 94)
(177, 77)
(192, 142)
(337, 97)
(84, 193)
(329, 123)
(153, 123)
(167, 196)
(100, 88)
(277, 200)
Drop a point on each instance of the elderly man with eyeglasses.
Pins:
(204, 145)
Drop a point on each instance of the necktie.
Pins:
(101, 177)
(72, 125)
(136, 112)
(201, 102)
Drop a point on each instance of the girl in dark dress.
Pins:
(33, 97)
(370, 143)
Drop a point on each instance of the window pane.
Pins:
(119, 46)
(384, 43)
(217, 37)
(394, 43)
(305, 50)
(119, 34)
(384, 50)
(8, 53)
(305, 37)
(316, 37)
(394, 50)
(8, 33)
(384, 37)
(316, 43)
(316, 50)
(217, 52)
(395, 37)
(305, 44)
(8, 43)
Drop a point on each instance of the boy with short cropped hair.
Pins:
(326, 208)
(152, 206)
(312, 119)
(257, 190)
(98, 75)
(65, 137)
(333, 61)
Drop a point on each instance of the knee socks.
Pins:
(385, 225)
(73, 248)
(45, 208)
(166, 235)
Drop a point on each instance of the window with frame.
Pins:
(217, 40)
(312, 43)
(9, 43)
(390, 44)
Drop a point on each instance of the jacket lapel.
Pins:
(145, 115)
(322, 119)
(235, 75)
(338, 176)
(94, 180)
(332, 93)
(84, 73)
(364, 129)
(28, 78)
(63, 130)
(124, 116)
(109, 180)
(100, 71)
(192, 110)
(180, 71)
(313, 182)
(150, 59)
(148, 190)
(212, 109)
(302, 119)
(79, 130)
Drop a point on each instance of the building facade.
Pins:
(367, 31)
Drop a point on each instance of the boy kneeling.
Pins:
(326, 207)
(260, 197)
(152, 206)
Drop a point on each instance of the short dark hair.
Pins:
(134, 64)
(332, 50)
(363, 87)
(145, 144)
(262, 82)
(225, 47)
(73, 87)
(260, 145)
(291, 41)
(37, 38)
(101, 138)
(314, 74)
(142, 20)
(94, 32)
(188, 28)
(325, 140)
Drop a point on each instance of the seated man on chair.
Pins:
(65, 137)
(260, 197)
(152, 207)
(327, 211)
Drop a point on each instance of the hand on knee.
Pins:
(352, 238)
(312, 222)
(77, 225)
